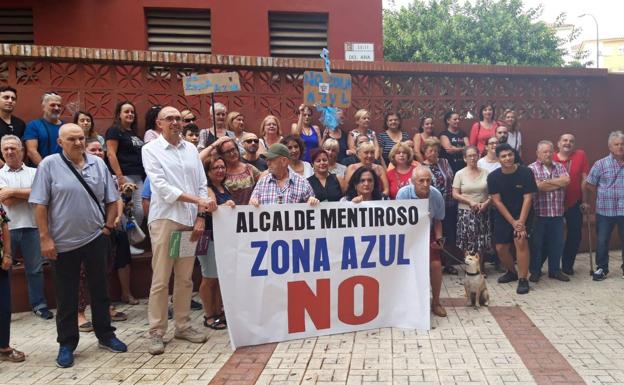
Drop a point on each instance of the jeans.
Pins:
(66, 276)
(604, 228)
(5, 308)
(27, 240)
(137, 201)
(574, 225)
(547, 235)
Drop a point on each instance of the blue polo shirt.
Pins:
(46, 135)
(436, 201)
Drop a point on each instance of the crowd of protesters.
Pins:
(482, 199)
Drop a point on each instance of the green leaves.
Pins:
(486, 32)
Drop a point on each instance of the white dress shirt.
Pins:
(21, 214)
(173, 170)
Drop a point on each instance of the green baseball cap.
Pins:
(276, 150)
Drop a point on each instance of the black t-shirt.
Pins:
(128, 150)
(456, 160)
(259, 163)
(16, 127)
(330, 193)
(512, 187)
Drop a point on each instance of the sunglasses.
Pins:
(256, 141)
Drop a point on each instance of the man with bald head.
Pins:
(180, 202)
(74, 197)
(421, 188)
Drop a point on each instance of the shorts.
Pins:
(502, 231)
(208, 263)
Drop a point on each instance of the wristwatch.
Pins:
(202, 214)
(108, 228)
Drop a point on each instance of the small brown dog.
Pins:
(474, 282)
(127, 189)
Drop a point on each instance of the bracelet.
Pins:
(107, 228)
(202, 215)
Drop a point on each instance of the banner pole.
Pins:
(214, 118)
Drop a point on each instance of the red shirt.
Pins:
(397, 180)
(479, 135)
(576, 165)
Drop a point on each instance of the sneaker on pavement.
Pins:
(567, 271)
(157, 345)
(114, 345)
(136, 250)
(196, 305)
(535, 277)
(559, 276)
(44, 313)
(599, 275)
(509, 276)
(191, 334)
(65, 358)
(523, 286)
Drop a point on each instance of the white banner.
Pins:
(293, 271)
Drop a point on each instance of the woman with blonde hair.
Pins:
(332, 148)
(510, 120)
(366, 155)
(270, 133)
(235, 122)
(362, 127)
(401, 156)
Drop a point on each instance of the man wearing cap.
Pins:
(250, 143)
(281, 185)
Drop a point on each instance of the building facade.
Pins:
(287, 28)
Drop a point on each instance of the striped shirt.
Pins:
(548, 203)
(608, 176)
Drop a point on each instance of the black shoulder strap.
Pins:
(83, 183)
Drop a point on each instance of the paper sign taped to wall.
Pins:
(323, 89)
(211, 83)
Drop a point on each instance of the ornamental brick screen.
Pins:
(548, 101)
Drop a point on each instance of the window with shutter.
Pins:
(297, 34)
(178, 30)
(16, 26)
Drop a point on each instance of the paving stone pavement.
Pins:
(561, 333)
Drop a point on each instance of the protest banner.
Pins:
(211, 83)
(323, 89)
(294, 271)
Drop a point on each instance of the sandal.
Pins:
(218, 322)
(130, 300)
(86, 327)
(118, 316)
(12, 355)
(450, 270)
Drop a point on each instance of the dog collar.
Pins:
(473, 274)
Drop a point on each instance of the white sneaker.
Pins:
(136, 250)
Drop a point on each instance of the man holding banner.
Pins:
(180, 199)
(281, 185)
(421, 188)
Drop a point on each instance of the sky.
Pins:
(608, 13)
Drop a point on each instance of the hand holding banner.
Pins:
(295, 271)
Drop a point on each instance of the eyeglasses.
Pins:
(189, 120)
(172, 118)
(256, 141)
(231, 151)
(218, 168)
